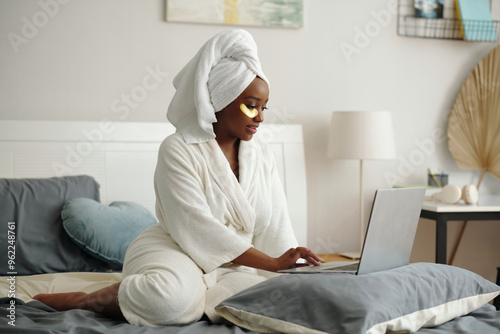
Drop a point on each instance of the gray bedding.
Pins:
(339, 301)
(485, 320)
(35, 317)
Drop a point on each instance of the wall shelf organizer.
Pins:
(442, 28)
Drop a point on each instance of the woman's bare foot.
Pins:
(63, 301)
(104, 301)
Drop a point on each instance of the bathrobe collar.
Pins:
(241, 194)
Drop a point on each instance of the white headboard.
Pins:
(122, 156)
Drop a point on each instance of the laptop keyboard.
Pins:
(349, 267)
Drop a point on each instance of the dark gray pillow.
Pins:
(41, 244)
(403, 299)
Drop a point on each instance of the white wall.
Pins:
(83, 62)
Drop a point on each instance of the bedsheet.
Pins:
(35, 317)
(485, 320)
(28, 286)
(30, 316)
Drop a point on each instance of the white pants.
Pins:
(163, 286)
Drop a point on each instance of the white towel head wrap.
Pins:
(220, 71)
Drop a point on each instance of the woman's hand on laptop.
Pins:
(257, 259)
(290, 257)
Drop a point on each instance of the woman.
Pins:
(220, 204)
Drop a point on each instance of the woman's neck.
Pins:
(230, 148)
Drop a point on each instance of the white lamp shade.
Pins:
(361, 135)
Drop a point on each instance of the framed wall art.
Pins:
(264, 13)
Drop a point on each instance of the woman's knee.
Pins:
(156, 299)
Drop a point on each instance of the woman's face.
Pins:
(232, 123)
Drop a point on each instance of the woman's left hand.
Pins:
(309, 256)
(256, 259)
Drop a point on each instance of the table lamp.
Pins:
(361, 135)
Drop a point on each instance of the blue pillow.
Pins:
(105, 232)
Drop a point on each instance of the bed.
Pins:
(74, 194)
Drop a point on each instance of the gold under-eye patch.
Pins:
(249, 112)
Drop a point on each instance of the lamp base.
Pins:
(351, 255)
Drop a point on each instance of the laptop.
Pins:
(389, 235)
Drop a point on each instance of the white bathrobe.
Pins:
(179, 269)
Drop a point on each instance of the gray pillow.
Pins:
(403, 299)
(34, 207)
